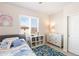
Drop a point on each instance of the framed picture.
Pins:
(6, 20)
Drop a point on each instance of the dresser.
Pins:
(55, 39)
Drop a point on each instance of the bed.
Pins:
(15, 47)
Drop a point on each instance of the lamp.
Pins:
(52, 27)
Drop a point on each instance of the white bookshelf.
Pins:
(36, 41)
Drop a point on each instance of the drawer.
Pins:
(51, 41)
(57, 43)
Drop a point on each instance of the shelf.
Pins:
(41, 42)
(37, 38)
(33, 39)
(33, 44)
(37, 41)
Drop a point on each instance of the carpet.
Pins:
(46, 51)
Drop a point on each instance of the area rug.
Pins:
(46, 51)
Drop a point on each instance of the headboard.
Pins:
(14, 35)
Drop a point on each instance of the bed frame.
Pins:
(2, 37)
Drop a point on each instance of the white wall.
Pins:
(61, 20)
(15, 12)
(58, 20)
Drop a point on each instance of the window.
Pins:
(34, 25)
(29, 25)
(24, 21)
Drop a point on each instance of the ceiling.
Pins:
(43, 7)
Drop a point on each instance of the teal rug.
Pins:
(46, 51)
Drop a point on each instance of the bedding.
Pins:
(17, 50)
(23, 51)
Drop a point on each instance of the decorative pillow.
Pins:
(17, 43)
(6, 43)
(23, 40)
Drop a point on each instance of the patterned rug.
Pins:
(46, 51)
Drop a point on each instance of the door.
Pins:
(73, 42)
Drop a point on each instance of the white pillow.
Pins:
(6, 43)
(22, 39)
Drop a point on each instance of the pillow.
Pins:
(6, 43)
(17, 43)
(22, 40)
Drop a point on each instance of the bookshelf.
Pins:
(36, 41)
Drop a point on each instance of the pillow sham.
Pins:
(6, 43)
(16, 43)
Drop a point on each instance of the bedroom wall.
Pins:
(15, 12)
(61, 21)
(57, 18)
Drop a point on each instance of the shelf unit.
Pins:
(36, 41)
